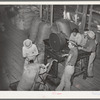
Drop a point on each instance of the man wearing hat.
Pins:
(29, 51)
(90, 46)
(65, 83)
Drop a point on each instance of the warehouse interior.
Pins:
(37, 22)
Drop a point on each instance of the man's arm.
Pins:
(23, 52)
(88, 49)
(64, 55)
(35, 49)
(71, 37)
(68, 59)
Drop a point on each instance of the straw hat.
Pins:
(91, 34)
(27, 43)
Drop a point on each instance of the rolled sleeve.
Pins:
(35, 50)
(23, 52)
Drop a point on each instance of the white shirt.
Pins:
(77, 38)
(29, 52)
(84, 40)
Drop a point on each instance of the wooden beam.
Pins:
(51, 14)
(76, 12)
(64, 12)
(95, 11)
(83, 19)
(40, 11)
(77, 9)
(90, 17)
(82, 13)
(64, 7)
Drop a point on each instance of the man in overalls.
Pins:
(90, 46)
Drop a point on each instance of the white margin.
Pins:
(50, 94)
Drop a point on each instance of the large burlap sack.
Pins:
(28, 17)
(54, 28)
(24, 9)
(43, 32)
(73, 25)
(19, 22)
(34, 29)
(41, 58)
(12, 20)
(62, 26)
(28, 77)
(23, 19)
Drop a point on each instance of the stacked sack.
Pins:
(25, 16)
(63, 26)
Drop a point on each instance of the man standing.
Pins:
(32, 67)
(90, 46)
(65, 83)
(29, 52)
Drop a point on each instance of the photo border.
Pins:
(72, 95)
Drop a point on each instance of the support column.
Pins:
(83, 19)
(51, 20)
(40, 11)
(90, 17)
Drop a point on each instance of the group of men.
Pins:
(77, 41)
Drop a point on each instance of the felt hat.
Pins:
(27, 43)
(91, 34)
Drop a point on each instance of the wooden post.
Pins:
(83, 19)
(51, 14)
(77, 9)
(47, 12)
(40, 11)
(90, 17)
(76, 12)
(64, 12)
(64, 7)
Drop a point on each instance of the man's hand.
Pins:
(80, 48)
(44, 66)
(27, 59)
(64, 55)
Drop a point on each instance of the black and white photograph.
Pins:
(50, 47)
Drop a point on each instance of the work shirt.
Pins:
(77, 38)
(74, 53)
(83, 40)
(30, 52)
(90, 45)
